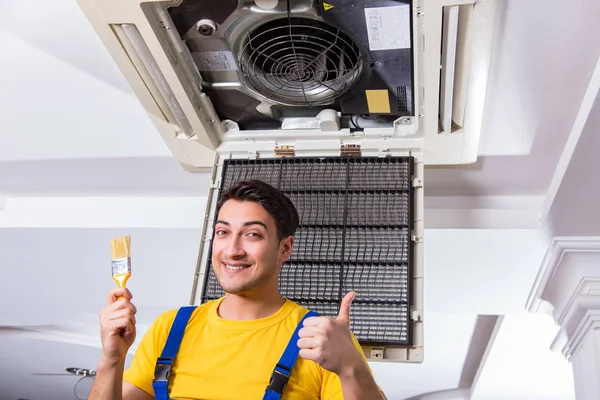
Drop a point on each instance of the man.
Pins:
(231, 345)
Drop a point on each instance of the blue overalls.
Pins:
(279, 377)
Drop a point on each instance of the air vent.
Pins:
(300, 61)
(455, 53)
(404, 97)
(354, 234)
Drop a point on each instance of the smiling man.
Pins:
(250, 344)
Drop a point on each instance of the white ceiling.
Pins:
(534, 92)
(124, 176)
(77, 92)
(71, 126)
(580, 193)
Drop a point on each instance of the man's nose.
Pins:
(235, 248)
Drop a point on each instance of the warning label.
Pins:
(388, 28)
(215, 61)
(327, 6)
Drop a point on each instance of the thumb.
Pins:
(344, 314)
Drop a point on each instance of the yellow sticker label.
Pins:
(327, 6)
(378, 101)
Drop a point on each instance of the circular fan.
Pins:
(82, 388)
(300, 61)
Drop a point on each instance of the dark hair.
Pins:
(271, 199)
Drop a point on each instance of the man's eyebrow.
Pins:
(255, 223)
(249, 223)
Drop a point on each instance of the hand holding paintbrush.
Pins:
(117, 328)
(117, 319)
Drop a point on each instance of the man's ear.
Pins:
(285, 247)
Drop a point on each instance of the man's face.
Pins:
(246, 251)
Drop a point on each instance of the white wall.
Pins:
(521, 365)
(23, 357)
(52, 276)
(471, 271)
(480, 271)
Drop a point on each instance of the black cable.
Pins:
(354, 123)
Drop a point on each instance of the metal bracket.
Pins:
(416, 239)
(216, 184)
(284, 151)
(350, 150)
(415, 316)
(377, 353)
(384, 153)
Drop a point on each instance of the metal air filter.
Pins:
(354, 234)
(300, 61)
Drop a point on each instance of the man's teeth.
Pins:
(235, 267)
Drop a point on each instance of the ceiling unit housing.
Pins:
(248, 85)
(247, 76)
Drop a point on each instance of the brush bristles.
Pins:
(120, 247)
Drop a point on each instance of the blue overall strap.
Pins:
(165, 361)
(283, 369)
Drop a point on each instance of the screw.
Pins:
(206, 27)
(206, 30)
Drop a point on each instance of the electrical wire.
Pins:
(354, 123)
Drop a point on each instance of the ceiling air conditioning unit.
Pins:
(338, 103)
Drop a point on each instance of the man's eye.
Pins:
(221, 232)
(254, 234)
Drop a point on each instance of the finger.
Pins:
(344, 314)
(118, 325)
(122, 328)
(122, 314)
(116, 293)
(314, 321)
(308, 343)
(129, 331)
(309, 354)
(132, 308)
(309, 331)
(122, 304)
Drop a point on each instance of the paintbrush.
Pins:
(121, 259)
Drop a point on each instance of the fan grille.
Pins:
(300, 61)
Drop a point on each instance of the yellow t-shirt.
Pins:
(231, 360)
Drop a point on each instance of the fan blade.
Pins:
(51, 374)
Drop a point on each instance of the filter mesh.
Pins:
(310, 281)
(354, 234)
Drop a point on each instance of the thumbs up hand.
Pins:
(328, 341)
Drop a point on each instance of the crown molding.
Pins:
(568, 285)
